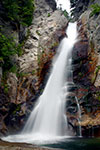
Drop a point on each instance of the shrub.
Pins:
(65, 13)
(19, 11)
(26, 9)
(8, 48)
(49, 15)
(95, 9)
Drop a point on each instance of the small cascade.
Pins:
(79, 116)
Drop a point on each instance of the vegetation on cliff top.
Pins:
(19, 11)
(8, 48)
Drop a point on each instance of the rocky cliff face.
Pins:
(86, 68)
(45, 33)
(42, 39)
(78, 7)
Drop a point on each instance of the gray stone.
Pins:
(41, 32)
(12, 85)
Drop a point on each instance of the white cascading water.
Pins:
(63, 4)
(79, 117)
(48, 116)
(48, 121)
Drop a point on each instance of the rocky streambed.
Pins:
(19, 146)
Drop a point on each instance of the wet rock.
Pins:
(72, 110)
(22, 33)
(84, 62)
(19, 146)
(15, 117)
(79, 6)
(85, 66)
(12, 86)
(52, 4)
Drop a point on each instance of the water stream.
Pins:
(79, 116)
(48, 117)
(48, 121)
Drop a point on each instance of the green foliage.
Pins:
(65, 14)
(13, 69)
(26, 9)
(92, 0)
(98, 68)
(38, 33)
(11, 7)
(69, 18)
(18, 108)
(19, 11)
(5, 87)
(8, 48)
(19, 49)
(93, 79)
(98, 95)
(55, 44)
(49, 15)
(95, 74)
(25, 74)
(22, 74)
(33, 72)
(95, 9)
(80, 74)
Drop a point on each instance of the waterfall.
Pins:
(48, 117)
(64, 5)
(79, 116)
(48, 120)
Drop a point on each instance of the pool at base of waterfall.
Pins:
(76, 144)
(36, 139)
(65, 144)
